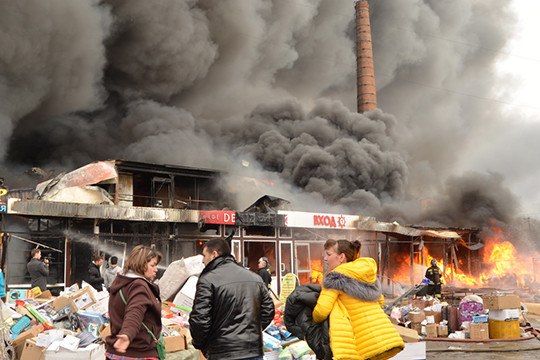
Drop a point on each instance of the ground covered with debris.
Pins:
(519, 350)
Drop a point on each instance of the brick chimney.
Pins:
(365, 73)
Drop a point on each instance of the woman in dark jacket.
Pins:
(129, 337)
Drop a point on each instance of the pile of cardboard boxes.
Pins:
(73, 326)
(494, 316)
(504, 316)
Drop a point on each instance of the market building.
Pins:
(111, 206)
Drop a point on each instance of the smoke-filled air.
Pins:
(266, 92)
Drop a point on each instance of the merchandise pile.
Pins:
(74, 324)
(280, 344)
(492, 316)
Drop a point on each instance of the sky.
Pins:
(265, 91)
(522, 59)
(520, 63)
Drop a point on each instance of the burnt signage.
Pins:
(218, 217)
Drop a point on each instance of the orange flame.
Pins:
(317, 271)
(502, 265)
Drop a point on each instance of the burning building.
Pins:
(245, 90)
(111, 206)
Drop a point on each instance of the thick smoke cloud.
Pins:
(51, 62)
(266, 91)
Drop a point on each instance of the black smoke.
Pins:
(265, 90)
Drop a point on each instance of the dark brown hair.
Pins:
(139, 257)
(96, 257)
(350, 249)
(221, 246)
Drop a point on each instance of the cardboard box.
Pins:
(187, 334)
(431, 330)
(442, 330)
(417, 316)
(437, 315)
(503, 329)
(417, 327)
(104, 330)
(408, 335)
(60, 302)
(44, 295)
(504, 315)
(82, 299)
(479, 331)
(533, 308)
(501, 302)
(23, 311)
(421, 304)
(101, 306)
(31, 351)
(91, 352)
(175, 343)
(28, 334)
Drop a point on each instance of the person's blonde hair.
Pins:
(139, 257)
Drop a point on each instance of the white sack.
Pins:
(176, 275)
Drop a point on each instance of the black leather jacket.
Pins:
(94, 277)
(299, 321)
(231, 308)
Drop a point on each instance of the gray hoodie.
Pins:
(110, 275)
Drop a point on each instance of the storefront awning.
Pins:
(396, 228)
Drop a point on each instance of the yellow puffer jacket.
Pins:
(359, 328)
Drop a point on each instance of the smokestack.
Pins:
(365, 73)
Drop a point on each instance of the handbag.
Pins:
(160, 342)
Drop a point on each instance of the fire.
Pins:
(501, 266)
(502, 255)
(317, 271)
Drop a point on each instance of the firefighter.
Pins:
(264, 271)
(433, 273)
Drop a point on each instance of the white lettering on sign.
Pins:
(218, 217)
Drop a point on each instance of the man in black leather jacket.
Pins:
(231, 308)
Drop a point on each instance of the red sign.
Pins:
(329, 221)
(218, 217)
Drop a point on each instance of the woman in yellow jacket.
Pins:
(351, 295)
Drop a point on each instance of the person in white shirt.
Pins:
(111, 272)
